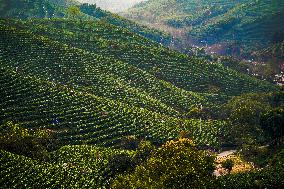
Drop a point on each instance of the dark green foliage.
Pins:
(64, 3)
(247, 108)
(234, 64)
(277, 99)
(119, 164)
(18, 140)
(73, 12)
(130, 143)
(175, 23)
(197, 113)
(272, 122)
(228, 164)
(94, 11)
(246, 113)
(269, 177)
(277, 159)
(143, 152)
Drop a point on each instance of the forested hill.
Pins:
(249, 24)
(26, 9)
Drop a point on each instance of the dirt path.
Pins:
(219, 170)
(226, 153)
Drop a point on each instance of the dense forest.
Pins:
(90, 99)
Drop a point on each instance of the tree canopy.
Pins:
(177, 164)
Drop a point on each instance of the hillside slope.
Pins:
(27, 9)
(93, 70)
(249, 24)
(84, 96)
(89, 97)
(86, 90)
(121, 74)
(139, 55)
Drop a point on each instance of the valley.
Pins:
(239, 29)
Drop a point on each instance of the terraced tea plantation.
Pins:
(80, 117)
(84, 98)
(62, 170)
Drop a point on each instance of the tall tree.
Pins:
(177, 164)
(73, 12)
(273, 123)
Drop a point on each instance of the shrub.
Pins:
(228, 164)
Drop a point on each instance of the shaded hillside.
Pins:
(23, 9)
(98, 13)
(275, 51)
(247, 24)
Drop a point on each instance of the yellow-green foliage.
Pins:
(73, 11)
(177, 164)
(22, 141)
